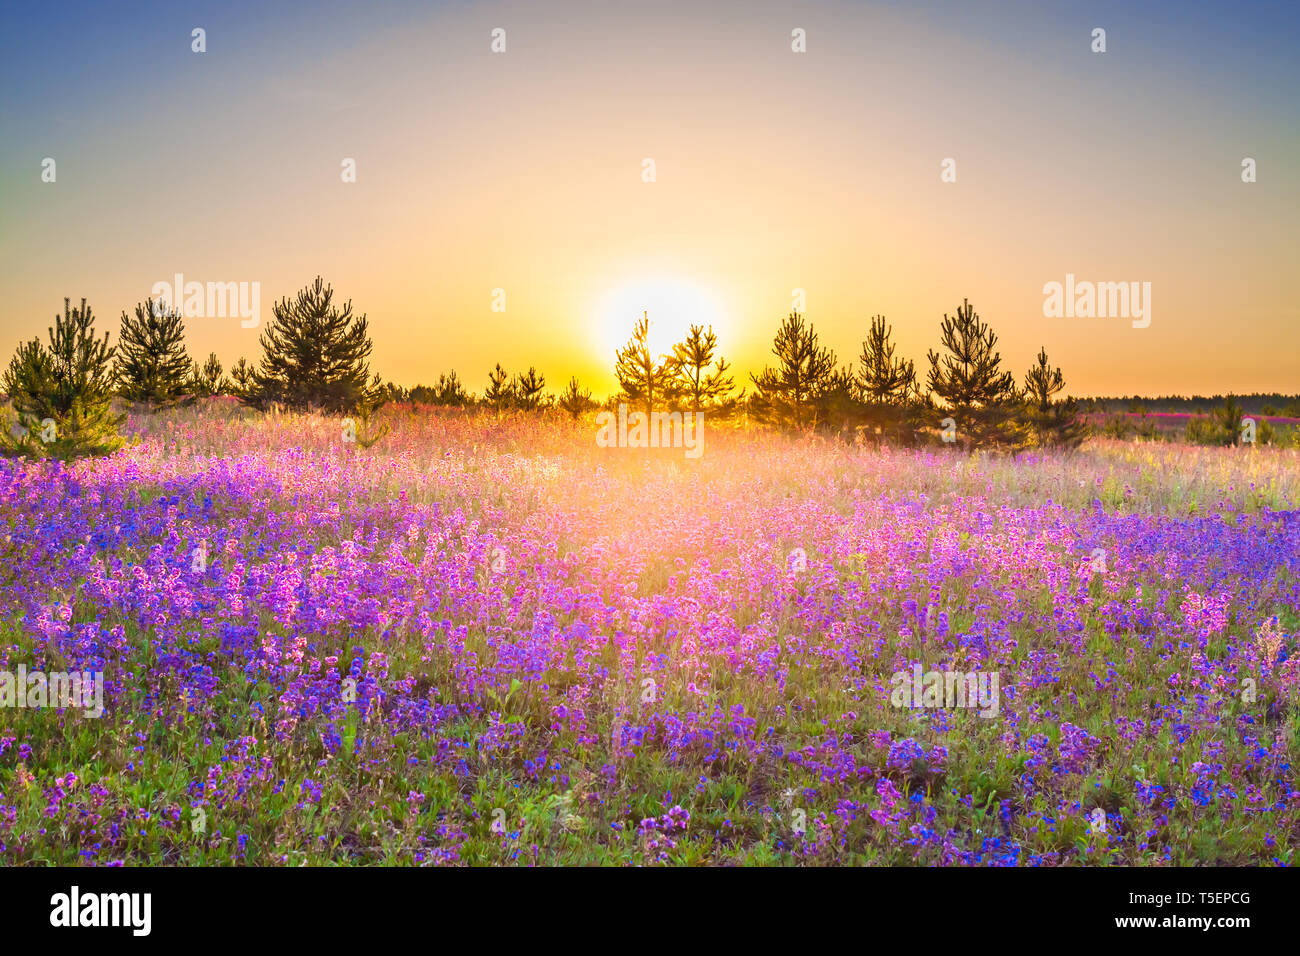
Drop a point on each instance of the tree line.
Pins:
(1273, 404)
(316, 350)
(967, 396)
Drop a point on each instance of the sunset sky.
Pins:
(775, 170)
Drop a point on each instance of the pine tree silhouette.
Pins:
(789, 394)
(979, 397)
(241, 379)
(575, 399)
(883, 379)
(62, 393)
(315, 354)
(528, 389)
(643, 378)
(206, 379)
(449, 391)
(500, 391)
(690, 365)
(1051, 422)
(152, 365)
(887, 385)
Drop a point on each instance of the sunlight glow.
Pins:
(673, 304)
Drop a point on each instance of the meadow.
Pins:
(483, 639)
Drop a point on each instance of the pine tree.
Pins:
(575, 399)
(885, 383)
(151, 365)
(1051, 422)
(978, 396)
(315, 355)
(62, 393)
(528, 389)
(690, 365)
(500, 391)
(1227, 420)
(883, 379)
(789, 393)
(644, 379)
(206, 379)
(449, 391)
(242, 384)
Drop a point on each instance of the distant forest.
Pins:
(1259, 403)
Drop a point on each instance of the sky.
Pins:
(501, 210)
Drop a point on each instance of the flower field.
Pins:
(489, 641)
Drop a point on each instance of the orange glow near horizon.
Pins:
(672, 305)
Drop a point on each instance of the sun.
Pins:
(673, 305)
